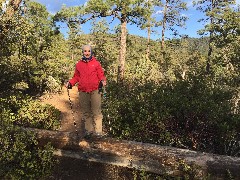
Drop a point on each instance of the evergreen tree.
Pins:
(150, 22)
(129, 11)
(172, 17)
(211, 8)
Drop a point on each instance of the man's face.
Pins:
(87, 51)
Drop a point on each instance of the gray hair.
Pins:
(87, 45)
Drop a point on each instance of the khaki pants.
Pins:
(90, 108)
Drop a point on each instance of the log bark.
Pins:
(152, 158)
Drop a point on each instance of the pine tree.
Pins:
(150, 23)
(211, 8)
(171, 17)
(128, 11)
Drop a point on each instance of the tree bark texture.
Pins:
(157, 159)
(164, 24)
(210, 48)
(122, 52)
(148, 41)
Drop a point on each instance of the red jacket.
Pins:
(88, 75)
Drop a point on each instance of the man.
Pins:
(89, 74)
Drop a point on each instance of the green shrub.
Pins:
(23, 111)
(188, 114)
(38, 115)
(21, 158)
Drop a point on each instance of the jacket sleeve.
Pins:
(100, 72)
(75, 77)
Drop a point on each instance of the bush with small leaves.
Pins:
(38, 115)
(21, 157)
(23, 111)
(187, 114)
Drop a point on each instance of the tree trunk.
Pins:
(157, 159)
(148, 41)
(163, 35)
(164, 24)
(122, 53)
(208, 66)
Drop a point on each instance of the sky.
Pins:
(191, 28)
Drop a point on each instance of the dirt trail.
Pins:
(61, 102)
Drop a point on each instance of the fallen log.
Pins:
(152, 158)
